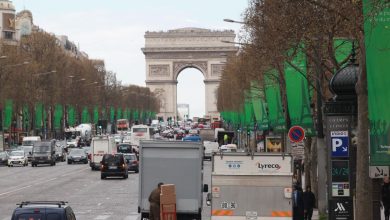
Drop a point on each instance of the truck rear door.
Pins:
(244, 189)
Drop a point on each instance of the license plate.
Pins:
(112, 167)
(76, 159)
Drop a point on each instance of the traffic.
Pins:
(154, 153)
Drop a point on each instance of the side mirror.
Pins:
(208, 199)
(205, 188)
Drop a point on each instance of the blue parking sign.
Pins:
(339, 143)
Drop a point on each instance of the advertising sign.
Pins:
(341, 189)
(341, 209)
(258, 165)
(379, 171)
(273, 144)
(339, 143)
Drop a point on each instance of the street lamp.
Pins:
(233, 21)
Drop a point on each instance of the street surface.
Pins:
(90, 197)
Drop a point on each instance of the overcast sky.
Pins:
(113, 30)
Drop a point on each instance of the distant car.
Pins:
(77, 156)
(192, 138)
(17, 158)
(124, 148)
(132, 162)
(180, 135)
(60, 153)
(118, 139)
(113, 165)
(4, 158)
(35, 210)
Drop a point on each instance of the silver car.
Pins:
(17, 158)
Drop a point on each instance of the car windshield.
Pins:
(108, 158)
(17, 153)
(77, 152)
(28, 143)
(140, 130)
(41, 149)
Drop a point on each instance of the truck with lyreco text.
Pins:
(179, 163)
(251, 187)
(101, 145)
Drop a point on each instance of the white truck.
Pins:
(251, 187)
(179, 163)
(101, 145)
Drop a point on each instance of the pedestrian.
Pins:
(154, 200)
(225, 139)
(309, 201)
(385, 194)
(298, 206)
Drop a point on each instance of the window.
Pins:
(53, 216)
(30, 217)
(8, 35)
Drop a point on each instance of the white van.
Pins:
(209, 149)
(101, 145)
(28, 143)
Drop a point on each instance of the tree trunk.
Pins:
(363, 181)
(307, 161)
(313, 168)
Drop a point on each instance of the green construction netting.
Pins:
(135, 114)
(259, 110)
(71, 116)
(249, 116)
(95, 115)
(38, 115)
(8, 108)
(377, 35)
(58, 113)
(119, 113)
(112, 114)
(298, 93)
(272, 92)
(342, 48)
(85, 116)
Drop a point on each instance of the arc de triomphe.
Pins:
(169, 53)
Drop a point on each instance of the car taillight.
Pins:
(135, 162)
(37, 211)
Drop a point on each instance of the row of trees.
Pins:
(275, 34)
(39, 70)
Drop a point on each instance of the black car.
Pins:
(113, 165)
(77, 156)
(4, 158)
(132, 162)
(43, 210)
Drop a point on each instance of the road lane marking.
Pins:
(102, 217)
(15, 190)
(36, 183)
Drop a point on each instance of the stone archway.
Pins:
(169, 53)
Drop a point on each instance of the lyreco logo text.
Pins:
(263, 166)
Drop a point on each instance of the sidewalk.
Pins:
(315, 215)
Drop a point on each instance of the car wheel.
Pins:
(85, 162)
(137, 171)
(54, 163)
(69, 162)
(9, 165)
(126, 176)
(102, 177)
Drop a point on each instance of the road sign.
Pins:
(379, 171)
(296, 134)
(339, 143)
(297, 150)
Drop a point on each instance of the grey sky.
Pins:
(114, 30)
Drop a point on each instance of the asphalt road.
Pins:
(90, 197)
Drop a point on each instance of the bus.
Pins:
(122, 125)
